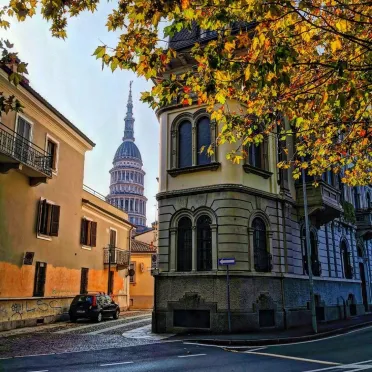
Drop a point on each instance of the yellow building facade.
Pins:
(53, 233)
(143, 259)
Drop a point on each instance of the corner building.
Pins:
(127, 175)
(210, 209)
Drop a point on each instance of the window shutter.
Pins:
(54, 223)
(82, 231)
(42, 206)
(94, 234)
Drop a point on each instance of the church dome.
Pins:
(127, 149)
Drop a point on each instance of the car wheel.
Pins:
(116, 315)
(99, 318)
(73, 319)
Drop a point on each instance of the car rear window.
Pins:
(82, 299)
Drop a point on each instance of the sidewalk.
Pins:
(271, 337)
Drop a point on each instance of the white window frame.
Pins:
(52, 139)
(83, 246)
(41, 236)
(24, 117)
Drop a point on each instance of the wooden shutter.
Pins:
(54, 222)
(42, 206)
(82, 231)
(93, 239)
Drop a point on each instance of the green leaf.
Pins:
(100, 52)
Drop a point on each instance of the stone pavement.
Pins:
(270, 337)
(63, 337)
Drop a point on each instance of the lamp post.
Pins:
(308, 253)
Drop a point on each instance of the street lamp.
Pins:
(308, 253)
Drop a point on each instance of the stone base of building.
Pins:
(199, 304)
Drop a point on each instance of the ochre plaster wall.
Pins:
(142, 291)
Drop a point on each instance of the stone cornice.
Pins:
(221, 188)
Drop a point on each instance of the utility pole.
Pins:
(308, 253)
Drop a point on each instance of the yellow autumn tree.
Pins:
(299, 68)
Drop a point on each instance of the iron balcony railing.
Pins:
(23, 150)
(262, 261)
(116, 256)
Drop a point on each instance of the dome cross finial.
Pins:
(129, 119)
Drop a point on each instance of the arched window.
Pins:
(184, 245)
(348, 269)
(204, 243)
(203, 140)
(184, 145)
(262, 258)
(315, 264)
(369, 200)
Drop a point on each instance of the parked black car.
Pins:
(93, 306)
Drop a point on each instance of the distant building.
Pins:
(210, 209)
(54, 233)
(127, 175)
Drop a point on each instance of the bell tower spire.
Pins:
(129, 119)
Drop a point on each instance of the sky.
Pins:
(66, 74)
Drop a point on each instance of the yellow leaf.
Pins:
(230, 45)
(335, 45)
(247, 73)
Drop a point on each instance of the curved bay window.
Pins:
(315, 264)
(262, 258)
(204, 243)
(348, 269)
(185, 145)
(184, 245)
(203, 135)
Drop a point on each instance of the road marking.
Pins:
(116, 327)
(44, 370)
(321, 339)
(122, 320)
(358, 366)
(114, 364)
(189, 356)
(293, 358)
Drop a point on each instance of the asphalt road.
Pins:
(350, 353)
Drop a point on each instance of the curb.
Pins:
(278, 341)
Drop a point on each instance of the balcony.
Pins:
(364, 223)
(119, 257)
(323, 202)
(16, 152)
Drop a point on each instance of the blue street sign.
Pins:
(226, 261)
